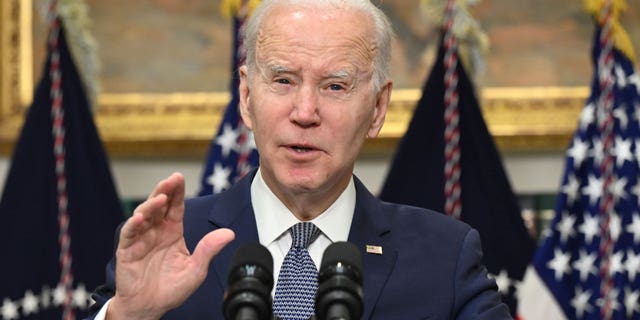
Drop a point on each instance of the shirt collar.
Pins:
(273, 218)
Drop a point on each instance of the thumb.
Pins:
(210, 245)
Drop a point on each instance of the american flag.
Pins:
(588, 265)
(233, 151)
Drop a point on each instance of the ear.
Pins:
(244, 97)
(382, 102)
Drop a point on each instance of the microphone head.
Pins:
(340, 294)
(252, 254)
(249, 283)
(342, 257)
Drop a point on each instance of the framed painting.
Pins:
(165, 69)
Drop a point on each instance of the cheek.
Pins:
(350, 130)
(361, 122)
(266, 111)
(269, 121)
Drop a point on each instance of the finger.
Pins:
(153, 209)
(209, 246)
(166, 185)
(143, 218)
(175, 204)
(130, 230)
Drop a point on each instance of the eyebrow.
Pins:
(272, 70)
(277, 69)
(341, 74)
(280, 69)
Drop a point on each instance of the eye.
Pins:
(335, 87)
(283, 81)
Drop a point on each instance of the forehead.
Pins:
(322, 33)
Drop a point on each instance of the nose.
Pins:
(305, 107)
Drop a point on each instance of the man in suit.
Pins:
(315, 85)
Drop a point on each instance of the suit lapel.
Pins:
(234, 211)
(370, 227)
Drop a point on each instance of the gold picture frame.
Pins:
(178, 124)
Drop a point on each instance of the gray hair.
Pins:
(383, 31)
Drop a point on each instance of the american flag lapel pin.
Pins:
(374, 249)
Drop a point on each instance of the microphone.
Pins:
(340, 294)
(248, 296)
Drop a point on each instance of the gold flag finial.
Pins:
(231, 8)
(621, 39)
(473, 42)
(76, 23)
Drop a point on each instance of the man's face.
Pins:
(311, 100)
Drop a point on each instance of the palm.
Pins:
(154, 270)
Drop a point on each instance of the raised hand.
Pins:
(154, 270)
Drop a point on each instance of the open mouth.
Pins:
(300, 149)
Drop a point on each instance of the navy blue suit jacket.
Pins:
(429, 267)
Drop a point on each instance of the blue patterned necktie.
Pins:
(298, 280)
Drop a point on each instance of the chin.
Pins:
(301, 179)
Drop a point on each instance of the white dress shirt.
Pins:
(273, 220)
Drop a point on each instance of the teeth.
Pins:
(301, 149)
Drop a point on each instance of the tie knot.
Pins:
(303, 234)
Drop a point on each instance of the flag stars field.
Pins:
(29, 303)
(59, 295)
(634, 80)
(578, 151)
(590, 227)
(585, 265)
(623, 119)
(634, 227)
(571, 188)
(228, 139)
(632, 264)
(615, 226)
(9, 309)
(32, 304)
(636, 115)
(611, 299)
(45, 297)
(616, 263)
(81, 297)
(622, 151)
(565, 227)
(632, 302)
(635, 190)
(593, 189)
(219, 179)
(587, 117)
(580, 302)
(560, 263)
(618, 188)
